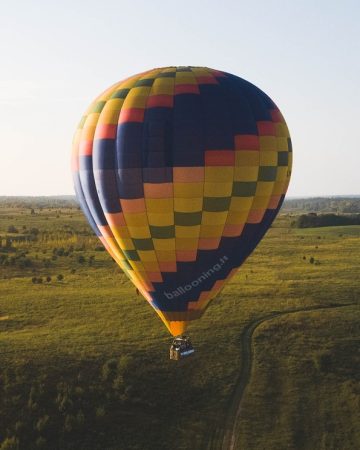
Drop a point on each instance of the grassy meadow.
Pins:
(84, 360)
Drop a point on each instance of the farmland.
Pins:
(84, 360)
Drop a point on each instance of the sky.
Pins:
(56, 57)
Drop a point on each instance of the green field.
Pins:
(84, 360)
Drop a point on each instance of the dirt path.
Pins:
(225, 439)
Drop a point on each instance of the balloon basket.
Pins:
(181, 348)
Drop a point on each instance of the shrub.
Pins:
(12, 229)
(34, 280)
(10, 443)
(81, 259)
(60, 277)
(311, 260)
(48, 279)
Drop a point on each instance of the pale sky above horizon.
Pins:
(56, 57)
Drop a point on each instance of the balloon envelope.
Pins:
(180, 171)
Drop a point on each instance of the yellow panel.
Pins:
(151, 266)
(91, 120)
(188, 204)
(290, 159)
(237, 217)
(213, 218)
(127, 84)
(279, 187)
(282, 130)
(159, 205)
(268, 158)
(164, 244)
(188, 190)
(126, 244)
(186, 243)
(267, 143)
(217, 189)
(260, 202)
(114, 104)
(138, 101)
(264, 188)
(120, 232)
(247, 158)
(187, 231)
(163, 86)
(136, 265)
(241, 203)
(219, 174)
(142, 91)
(109, 117)
(135, 219)
(210, 231)
(88, 133)
(282, 144)
(139, 232)
(161, 219)
(166, 255)
(244, 173)
(281, 174)
(147, 255)
(185, 78)
(201, 72)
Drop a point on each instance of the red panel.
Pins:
(276, 116)
(187, 89)
(247, 142)
(266, 128)
(105, 131)
(131, 115)
(165, 101)
(219, 158)
(85, 148)
(206, 80)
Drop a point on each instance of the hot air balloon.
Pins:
(180, 171)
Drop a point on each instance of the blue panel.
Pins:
(158, 175)
(107, 190)
(89, 189)
(83, 204)
(104, 154)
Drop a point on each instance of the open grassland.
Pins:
(84, 360)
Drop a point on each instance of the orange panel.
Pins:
(233, 230)
(158, 190)
(132, 206)
(209, 243)
(255, 216)
(186, 255)
(168, 266)
(155, 277)
(188, 174)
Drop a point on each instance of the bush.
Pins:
(311, 260)
(12, 229)
(11, 443)
(34, 280)
(60, 277)
(48, 279)
(81, 259)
